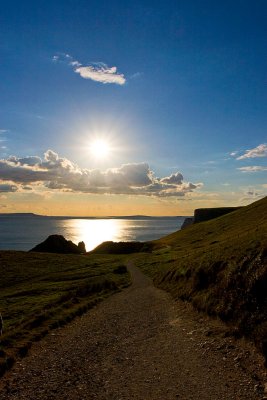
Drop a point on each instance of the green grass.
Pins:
(220, 266)
(39, 292)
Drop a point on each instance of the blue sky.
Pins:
(176, 88)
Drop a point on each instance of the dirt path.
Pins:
(138, 344)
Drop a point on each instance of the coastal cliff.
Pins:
(206, 214)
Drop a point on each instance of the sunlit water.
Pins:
(23, 233)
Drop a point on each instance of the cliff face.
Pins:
(205, 214)
(187, 222)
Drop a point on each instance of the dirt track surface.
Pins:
(138, 344)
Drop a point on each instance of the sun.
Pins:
(100, 148)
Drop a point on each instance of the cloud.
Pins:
(3, 131)
(57, 173)
(136, 75)
(98, 72)
(253, 168)
(102, 74)
(176, 178)
(259, 151)
(5, 187)
(31, 160)
(252, 193)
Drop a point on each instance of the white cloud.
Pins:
(98, 72)
(259, 151)
(253, 168)
(57, 173)
(3, 131)
(102, 74)
(176, 178)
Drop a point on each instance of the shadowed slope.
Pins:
(221, 266)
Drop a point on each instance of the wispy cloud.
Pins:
(98, 72)
(251, 195)
(253, 168)
(234, 153)
(57, 173)
(3, 131)
(259, 151)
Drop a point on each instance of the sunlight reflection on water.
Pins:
(94, 232)
(23, 233)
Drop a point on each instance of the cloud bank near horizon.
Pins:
(98, 72)
(56, 173)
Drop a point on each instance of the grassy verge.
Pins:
(221, 267)
(39, 292)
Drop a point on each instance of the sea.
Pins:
(24, 231)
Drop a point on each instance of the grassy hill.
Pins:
(41, 291)
(221, 267)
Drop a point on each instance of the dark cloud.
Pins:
(6, 187)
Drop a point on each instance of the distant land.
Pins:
(20, 215)
(79, 217)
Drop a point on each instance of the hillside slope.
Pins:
(221, 266)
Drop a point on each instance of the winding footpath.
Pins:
(138, 344)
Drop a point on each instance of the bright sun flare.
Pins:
(100, 148)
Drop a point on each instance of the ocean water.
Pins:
(25, 232)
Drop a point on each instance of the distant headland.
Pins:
(134, 217)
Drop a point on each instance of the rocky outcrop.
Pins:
(58, 244)
(81, 247)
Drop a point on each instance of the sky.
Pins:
(132, 107)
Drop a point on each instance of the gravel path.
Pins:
(138, 344)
